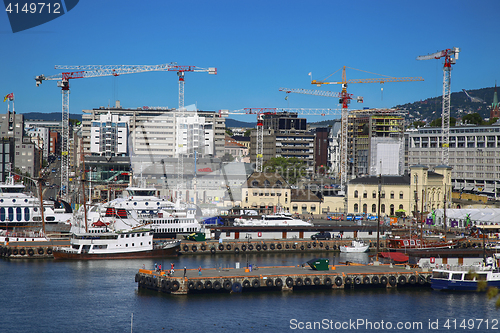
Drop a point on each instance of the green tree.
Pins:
(418, 124)
(247, 132)
(472, 118)
(437, 122)
(291, 169)
(227, 158)
(229, 131)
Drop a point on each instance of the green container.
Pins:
(319, 264)
(196, 236)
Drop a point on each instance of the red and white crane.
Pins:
(450, 58)
(88, 71)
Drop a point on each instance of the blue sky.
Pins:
(257, 47)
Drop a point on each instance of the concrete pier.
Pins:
(282, 278)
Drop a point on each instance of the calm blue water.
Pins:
(101, 296)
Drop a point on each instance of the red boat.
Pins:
(400, 244)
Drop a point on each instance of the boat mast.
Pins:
(444, 212)
(83, 190)
(378, 214)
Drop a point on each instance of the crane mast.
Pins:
(88, 71)
(450, 57)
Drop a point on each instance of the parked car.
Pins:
(321, 236)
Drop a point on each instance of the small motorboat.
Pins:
(357, 246)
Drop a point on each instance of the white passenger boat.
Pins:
(279, 219)
(357, 246)
(140, 208)
(467, 278)
(18, 209)
(131, 244)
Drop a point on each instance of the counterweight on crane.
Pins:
(345, 99)
(88, 71)
(450, 58)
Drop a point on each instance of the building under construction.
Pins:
(375, 142)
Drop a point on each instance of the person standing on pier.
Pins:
(184, 271)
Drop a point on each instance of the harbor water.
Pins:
(101, 296)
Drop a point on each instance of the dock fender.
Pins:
(289, 282)
(203, 247)
(40, 251)
(348, 280)
(49, 250)
(194, 248)
(412, 279)
(384, 280)
(216, 285)
(221, 247)
(320, 244)
(366, 280)
(191, 285)
(227, 285)
(142, 279)
(258, 247)
(237, 288)
(308, 245)
(338, 281)
(279, 246)
(272, 247)
(278, 283)
(314, 244)
(250, 247)
(175, 286)
(236, 250)
(264, 247)
(428, 279)
(154, 282)
(269, 282)
(246, 284)
(165, 285)
(287, 246)
(137, 277)
(212, 250)
(185, 248)
(31, 252)
(228, 247)
(294, 246)
(357, 280)
(335, 246)
(16, 252)
(375, 280)
(392, 280)
(199, 286)
(243, 247)
(208, 284)
(327, 282)
(316, 281)
(302, 247)
(299, 282)
(255, 283)
(421, 279)
(307, 281)
(22, 252)
(402, 279)
(327, 247)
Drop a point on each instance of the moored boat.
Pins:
(279, 219)
(402, 244)
(357, 246)
(467, 277)
(130, 244)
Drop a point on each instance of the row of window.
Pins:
(374, 208)
(374, 194)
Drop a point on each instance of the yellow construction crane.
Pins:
(345, 99)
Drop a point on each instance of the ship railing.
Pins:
(463, 268)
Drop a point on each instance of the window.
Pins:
(365, 208)
(382, 194)
(355, 208)
(382, 209)
(374, 195)
(374, 208)
(356, 193)
(392, 194)
(365, 195)
(401, 195)
(295, 207)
